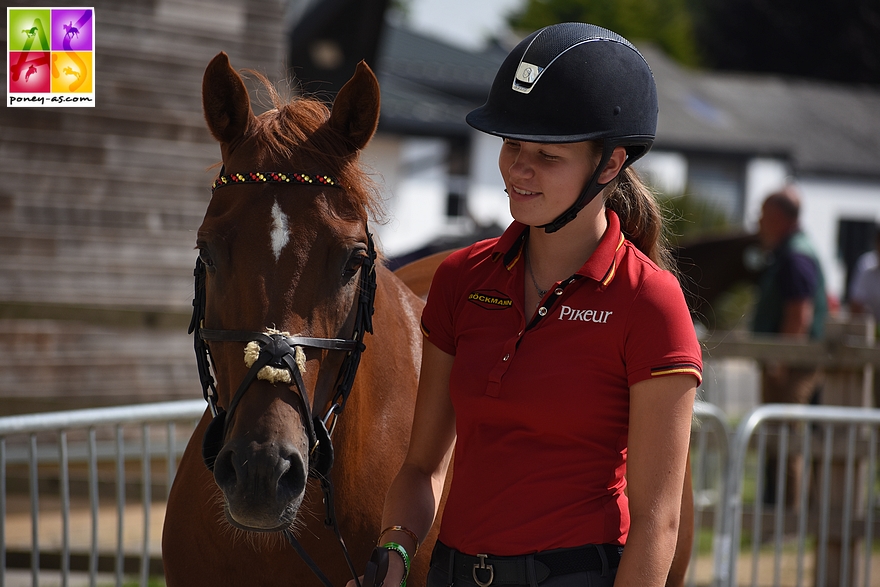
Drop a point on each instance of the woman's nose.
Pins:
(521, 166)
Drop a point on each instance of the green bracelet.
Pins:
(402, 552)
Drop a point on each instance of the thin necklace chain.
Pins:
(541, 292)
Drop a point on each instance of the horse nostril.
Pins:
(292, 481)
(224, 470)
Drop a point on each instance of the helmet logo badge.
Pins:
(527, 75)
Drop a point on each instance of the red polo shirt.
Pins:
(542, 399)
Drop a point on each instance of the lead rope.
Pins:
(309, 561)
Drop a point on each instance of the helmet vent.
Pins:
(551, 43)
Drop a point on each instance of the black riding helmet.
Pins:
(573, 82)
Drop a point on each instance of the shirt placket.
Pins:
(509, 349)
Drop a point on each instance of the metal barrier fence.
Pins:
(802, 504)
(63, 468)
(710, 456)
(113, 455)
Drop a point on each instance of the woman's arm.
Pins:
(659, 432)
(414, 494)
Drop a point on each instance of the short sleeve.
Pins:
(438, 316)
(660, 338)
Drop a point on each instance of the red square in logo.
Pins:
(29, 72)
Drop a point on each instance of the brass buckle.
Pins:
(483, 566)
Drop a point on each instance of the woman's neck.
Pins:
(557, 255)
(553, 257)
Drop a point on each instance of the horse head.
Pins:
(285, 262)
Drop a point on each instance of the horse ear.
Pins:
(355, 111)
(225, 100)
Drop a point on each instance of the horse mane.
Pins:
(295, 128)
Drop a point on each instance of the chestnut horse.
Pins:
(287, 283)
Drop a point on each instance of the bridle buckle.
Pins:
(483, 566)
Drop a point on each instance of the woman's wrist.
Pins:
(398, 553)
(401, 535)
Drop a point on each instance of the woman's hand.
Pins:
(391, 577)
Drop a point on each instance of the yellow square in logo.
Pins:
(72, 72)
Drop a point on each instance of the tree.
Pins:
(667, 23)
(837, 40)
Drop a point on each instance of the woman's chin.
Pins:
(530, 213)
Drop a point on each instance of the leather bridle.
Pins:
(278, 350)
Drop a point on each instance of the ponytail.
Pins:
(641, 218)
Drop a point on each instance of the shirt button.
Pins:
(542, 311)
(558, 291)
(507, 356)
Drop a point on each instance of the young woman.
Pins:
(560, 356)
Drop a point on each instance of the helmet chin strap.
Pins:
(590, 191)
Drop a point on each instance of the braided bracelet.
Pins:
(402, 552)
(406, 531)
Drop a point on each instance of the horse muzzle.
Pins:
(263, 484)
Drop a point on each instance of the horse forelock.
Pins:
(295, 135)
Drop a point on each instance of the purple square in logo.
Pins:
(72, 29)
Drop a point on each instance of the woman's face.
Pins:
(544, 179)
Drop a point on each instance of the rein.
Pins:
(278, 350)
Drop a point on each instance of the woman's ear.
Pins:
(614, 165)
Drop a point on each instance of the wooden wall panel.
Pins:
(99, 206)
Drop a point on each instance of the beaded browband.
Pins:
(272, 176)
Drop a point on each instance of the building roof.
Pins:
(821, 127)
(428, 86)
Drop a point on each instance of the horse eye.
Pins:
(353, 264)
(205, 256)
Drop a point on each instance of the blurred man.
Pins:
(791, 298)
(792, 303)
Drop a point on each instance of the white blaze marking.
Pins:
(279, 234)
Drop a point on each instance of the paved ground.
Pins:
(18, 526)
(49, 579)
(18, 537)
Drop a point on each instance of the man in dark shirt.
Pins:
(792, 298)
(792, 303)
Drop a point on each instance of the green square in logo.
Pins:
(29, 29)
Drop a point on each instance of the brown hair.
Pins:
(641, 218)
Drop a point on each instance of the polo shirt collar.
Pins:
(601, 266)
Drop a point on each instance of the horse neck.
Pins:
(387, 380)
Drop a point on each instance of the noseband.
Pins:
(278, 350)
